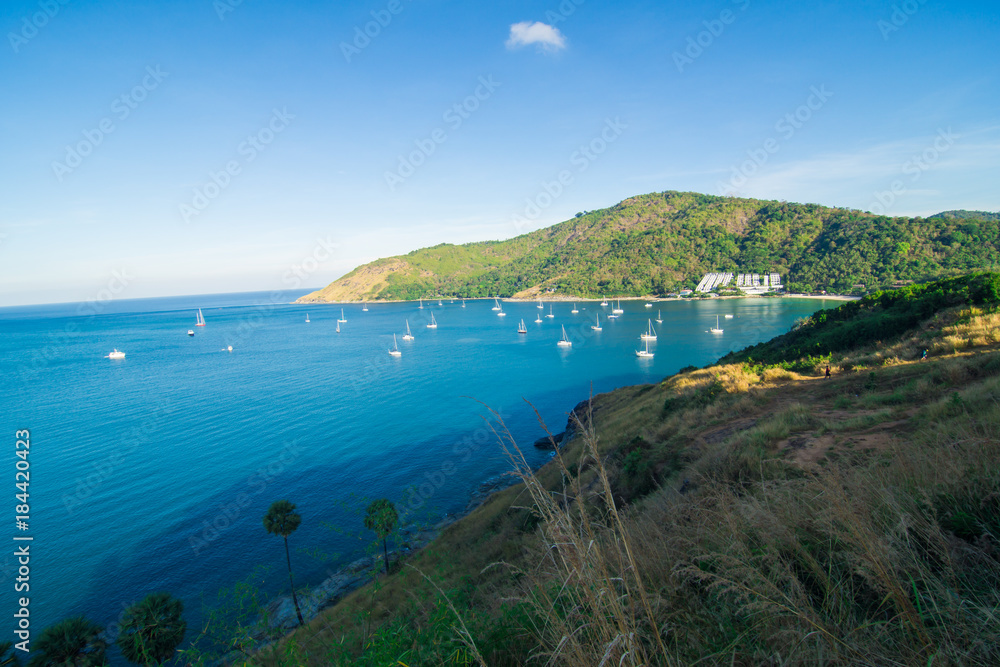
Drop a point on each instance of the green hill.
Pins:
(658, 243)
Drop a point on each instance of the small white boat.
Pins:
(342, 318)
(597, 327)
(433, 324)
(540, 305)
(115, 354)
(407, 335)
(200, 319)
(394, 352)
(717, 329)
(644, 354)
(421, 306)
(463, 303)
(565, 342)
(538, 320)
(550, 315)
(729, 316)
(649, 305)
(574, 311)
(501, 313)
(338, 326)
(659, 318)
(604, 300)
(190, 332)
(612, 317)
(496, 301)
(521, 329)
(364, 307)
(617, 310)
(439, 302)
(307, 318)
(650, 333)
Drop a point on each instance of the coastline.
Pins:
(571, 299)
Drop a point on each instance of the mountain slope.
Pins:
(662, 242)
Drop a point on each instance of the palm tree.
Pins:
(381, 517)
(8, 656)
(74, 642)
(281, 519)
(152, 629)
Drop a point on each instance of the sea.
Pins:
(153, 472)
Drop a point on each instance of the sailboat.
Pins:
(200, 320)
(540, 305)
(604, 300)
(659, 318)
(407, 335)
(617, 310)
(342, 318)
(307, 318)
(538, 319)
(115, 354)
(395, 348)
(497, 302)
(565, 342)
(433, 324)
(439, 302)
(574, 311)
(649, 305)
(463, 303)
(717, 328)
(650, 333)
(644, 354)
(338, 326)
(550, 315)
(364, 307)
(501, 313)
(521, 328)
(597, 327)
(421, 304)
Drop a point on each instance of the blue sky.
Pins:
(203, 146)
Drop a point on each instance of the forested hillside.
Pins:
(658, 243)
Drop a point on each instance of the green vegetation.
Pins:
(381, 517)
(152, 629)
(282, 519)
(74, 642)
(663, 242)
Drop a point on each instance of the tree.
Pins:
(381, 517)
(8, 656)
(281, 519)
(74, 642)
(152, 629)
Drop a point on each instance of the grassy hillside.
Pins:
(751, 512)
(662, 242)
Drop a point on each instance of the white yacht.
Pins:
(717, 329)
(604, 300)
(650, 333)
(501, 313)
(307, 318)
(433, 324)
(421, 306)
(395, 348)
(115, 354)
(617, 310)
(574, 311)
(565, 342)
(364, 307)
(550, 315)
(659, 318)
(463, 303)
(342, 318)
(407, 335)
(200, 319)
(521, 329)
(538, 320)
(729, 316)
(190, 332)
(644, 354)
(649, 305)
(496, 303)
(540, 305)
(338, 326)
(597, 327)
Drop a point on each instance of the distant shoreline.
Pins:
(570, 299)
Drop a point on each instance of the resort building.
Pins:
(750, 283)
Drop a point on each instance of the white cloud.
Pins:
(545, 36)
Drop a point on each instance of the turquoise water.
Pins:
(153, 472)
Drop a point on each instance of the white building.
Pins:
(750, 283)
